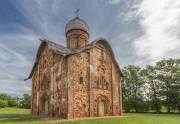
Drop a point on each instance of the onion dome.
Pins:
(77, 24)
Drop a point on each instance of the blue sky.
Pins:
(140, 32)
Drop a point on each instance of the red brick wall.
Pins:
(53, 68)
(77, 83)
(43, 69)
(78, 93)
(77, 39)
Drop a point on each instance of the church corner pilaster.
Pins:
(32, 96)
(112, 86)
(67, 85)
(91, 80)
(120, 94)
(38, 90)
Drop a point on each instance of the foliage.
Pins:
(26, 101)
(11, 101)
(132, 87)
(150, 78)
(3, 103)
(158, 84)
(167, 71)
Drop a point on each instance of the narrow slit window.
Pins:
(107, 85)
(81, 80)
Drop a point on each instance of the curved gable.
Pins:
(58, 49)
(105, 43)
(54, 47)
(42, 45)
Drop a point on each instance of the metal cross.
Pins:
(77, 10)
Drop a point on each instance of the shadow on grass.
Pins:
(18, 118)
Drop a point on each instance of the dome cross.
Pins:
(77, 11)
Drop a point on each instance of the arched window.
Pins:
(81, 80)
(98, 84)
(107, 85)
(103, 71)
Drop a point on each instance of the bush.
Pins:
(26, 102)
(3, 103)
(143, 106)
(12, 103)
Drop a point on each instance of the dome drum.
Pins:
(77, 24)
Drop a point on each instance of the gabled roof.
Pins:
(61, 50)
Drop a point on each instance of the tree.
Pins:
(26, 101)
(3, 103)
(150, 78)
(5, 97)
(10, 100)
(168, 74)
(132, 87)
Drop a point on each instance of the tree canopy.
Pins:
(152, 87)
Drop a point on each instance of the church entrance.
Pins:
(45, 105)
(101, 108)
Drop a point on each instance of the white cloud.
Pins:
(14, 68)
(161, 25)
(15, 61)
(130, 13)
(45, 15)
(128, 16)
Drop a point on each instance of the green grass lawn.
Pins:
(18, 116)
(22, 116)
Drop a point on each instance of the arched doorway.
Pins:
(45, 104)
(101, 108)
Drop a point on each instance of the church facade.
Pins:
(80, 80)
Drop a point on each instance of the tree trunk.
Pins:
(157, 108)
(169, 109)
(179, 109)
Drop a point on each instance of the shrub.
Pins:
(12, 103)
(3, 103)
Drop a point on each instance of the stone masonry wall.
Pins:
(49, 83)
(116, 91)
(106, 81)
(78, 85)
(60, 101)
(75, 85)
(77, 39)
(42, 87)
(102, 77)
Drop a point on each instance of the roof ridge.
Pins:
(51, 42)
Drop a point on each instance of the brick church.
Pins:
(80, 80)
